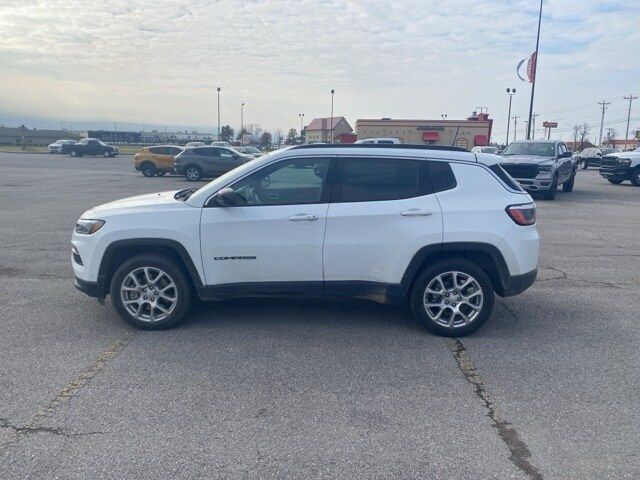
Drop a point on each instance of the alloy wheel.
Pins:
(148, 294)
(453, 299)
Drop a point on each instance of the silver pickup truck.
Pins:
(540, 166)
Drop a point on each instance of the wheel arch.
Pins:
(121, 250)
(485, 255)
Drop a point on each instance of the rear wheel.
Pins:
(583, 165)
(148, 169)
(192, 173)
(635, 177)
(106, 154)
(161, 174)
(452, 298)
(73, 153)
(615, 181)
(150, 292)
(553, 190)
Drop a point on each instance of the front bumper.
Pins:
(535, 184)
(615, 172)
(93, 289)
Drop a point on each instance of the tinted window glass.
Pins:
(442, 177)
(173, 150)
(225, 152)
(290, 182)
(157, 150)
(371, 179)
(505, 177)
(206, 151)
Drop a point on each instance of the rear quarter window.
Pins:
(505, 177)
(442, 177)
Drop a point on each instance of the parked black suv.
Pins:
(540, 166)
(93, 146)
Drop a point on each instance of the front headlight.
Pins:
(625, 161)
(87, 226)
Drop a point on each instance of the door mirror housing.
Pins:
(225, 197)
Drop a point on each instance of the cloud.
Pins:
(159, 62)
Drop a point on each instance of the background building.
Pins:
(319, 130)
(23, 136)
(474, 131)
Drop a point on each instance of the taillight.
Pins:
(522, 214)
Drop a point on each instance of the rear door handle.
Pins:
(303, 217)
(416, 212)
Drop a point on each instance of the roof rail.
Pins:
(403, 146)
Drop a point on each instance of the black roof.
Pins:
(403, 146)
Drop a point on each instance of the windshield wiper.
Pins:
(184, 195)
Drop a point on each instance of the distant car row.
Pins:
(192, 162)
(85, 146)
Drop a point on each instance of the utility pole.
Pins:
(603, 104)
(242, 123)
(631, 98)
(511, 92)
(301, 115)
(331, 119)
(115, 133)
(218, 90)
(535, 68)
(515, 127)
(533, 125)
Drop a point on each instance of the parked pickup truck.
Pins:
(540, 166)
(93, 146)
(622, 166)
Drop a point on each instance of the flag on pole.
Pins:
(531, 68)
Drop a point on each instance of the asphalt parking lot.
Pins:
(312, 388)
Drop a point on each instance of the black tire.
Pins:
(429, 275)
(569, 184)
(73, 153)
(583, 165)
(106, 154)
(635, 177)
(183, 292)
(615, 181)
(553, 190)
(161, 174)
(148, 169)
(192, 173)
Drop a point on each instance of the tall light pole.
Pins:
(218, 90)
(242, 123)
(115, 132)
(535, 67)
(603, 104)
(631, 98)
(511, 92)
(301, 115)
(515, 127)
(443, 116)
(331, 119)
(533, 125)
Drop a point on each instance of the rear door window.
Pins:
(206, 152)
(375, 179)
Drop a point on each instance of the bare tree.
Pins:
(584, 129)
(610, 136)
(575, 131)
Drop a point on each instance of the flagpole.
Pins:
(535, 67)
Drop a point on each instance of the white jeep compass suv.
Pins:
(440, 227)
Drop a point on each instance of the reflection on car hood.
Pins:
(139, 202)
(528, 159)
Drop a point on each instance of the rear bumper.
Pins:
(515, 284)
(93, 289)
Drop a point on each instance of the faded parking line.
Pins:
(34, 424)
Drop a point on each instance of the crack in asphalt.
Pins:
(520, 455)
(35, 423)
(580, 281)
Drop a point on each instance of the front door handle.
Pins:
(416, 212)
(303, 217)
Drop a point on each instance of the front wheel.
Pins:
(106, 154)
(73, 153)
(150, 292)
(553, 190)
(161, 174)
(635, 177)
(192, 173)
(452, 298)
(583, 165)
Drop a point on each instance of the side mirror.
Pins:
(566, 155)
(225, 197)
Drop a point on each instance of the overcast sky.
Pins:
(159, 61)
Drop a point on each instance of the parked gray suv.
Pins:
(198, 162)
(540, 166)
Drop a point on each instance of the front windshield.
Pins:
(240, 149)
(252, 150)
(541, 149)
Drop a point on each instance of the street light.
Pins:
(218, 89)
(242, 123)
(511, 92)
(443, 116)
(331, 119)
(301, 115)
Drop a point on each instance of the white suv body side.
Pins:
(338, 247)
